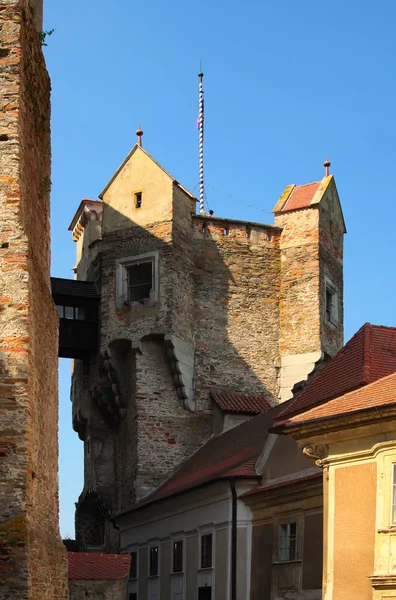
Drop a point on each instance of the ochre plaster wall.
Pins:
(354, 532)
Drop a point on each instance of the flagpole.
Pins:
(201, 143)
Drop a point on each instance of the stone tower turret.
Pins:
(189, 305)
(33, 557)
(311, 293)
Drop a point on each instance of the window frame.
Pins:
(332, 316)
(122, 266)
(152, 547)
(201, 547)
(392, 496)
(134, 577)
(289, 537)
(174, 542)
(138, 199)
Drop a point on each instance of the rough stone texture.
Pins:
(81, 589)
(32, 557)
(241, 295)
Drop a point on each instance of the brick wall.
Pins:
(33, 559)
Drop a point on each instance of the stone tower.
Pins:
(189, 304)
(33, 559)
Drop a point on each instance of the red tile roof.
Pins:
(301, 196)
(241, 403)
(369, 355)
(231, 454)
(378, 394)
(89, 565)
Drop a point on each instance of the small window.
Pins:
(133, 567)
(248, 233)
(288, 541)
(331, 307)
(133, 596)
(69, 312)
(206, 551)
(139, 280)
(79, 314)
(138, 200)
(393, 516)
(153, 568)
(61, 311)
(226, 231)
(178, 556)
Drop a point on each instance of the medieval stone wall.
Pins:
(299, 301)
(237, 281)
(32, 558)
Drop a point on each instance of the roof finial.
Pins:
(139, 134)
(326, 165)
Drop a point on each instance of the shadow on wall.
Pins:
(210, 321)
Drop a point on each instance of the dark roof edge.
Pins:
(185, 491)
(238, 221)
(285, 428)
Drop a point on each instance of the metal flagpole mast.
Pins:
(201, 142)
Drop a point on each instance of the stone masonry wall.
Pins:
(237, 281)
(81, 589)
(299, 294)
(331, 267)
(32, 557)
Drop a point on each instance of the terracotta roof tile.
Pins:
(369, 355)
(301, 196)
(231, 454)
(378, 394)
(89, 565)
(242, 403)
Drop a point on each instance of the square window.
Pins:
(133, 567)
(137, 280)
(287, 541)
(133, 596)
(206, 551)
(153, 568)
(178, 556)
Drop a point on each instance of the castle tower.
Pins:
(311, 293)
(189, 304)
(32, 555)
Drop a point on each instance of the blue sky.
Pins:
(286, 83)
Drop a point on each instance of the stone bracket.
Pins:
(181, 357)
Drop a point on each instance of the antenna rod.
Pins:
(201, 142)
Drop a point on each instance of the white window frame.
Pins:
(392, 498)
(174, 541)
(334, 316)
(201, 535)
(122, 278)
(137, 564)
(288, 558)
(154, 545)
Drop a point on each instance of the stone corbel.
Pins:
(316, 452)
(181, 357)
